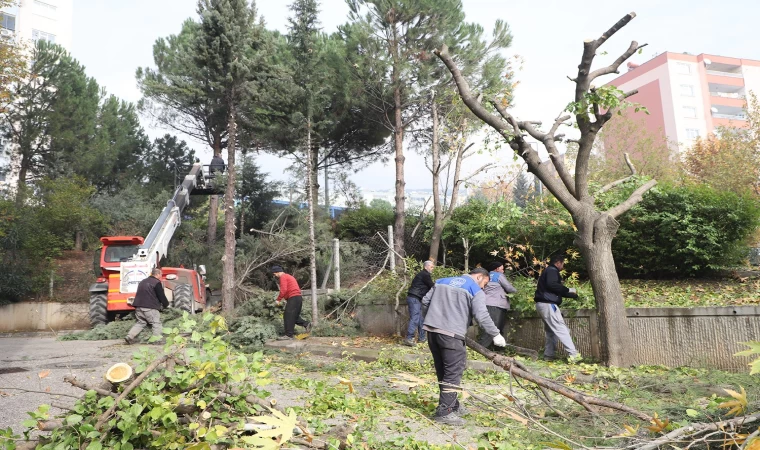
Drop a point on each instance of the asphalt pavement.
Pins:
(38, 362)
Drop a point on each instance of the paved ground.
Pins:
(29, 354)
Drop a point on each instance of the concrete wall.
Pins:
(40, 316)
(695, 337)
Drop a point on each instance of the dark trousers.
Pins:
(415, 319)
(450, 359)
(292, 316)
(499, 317)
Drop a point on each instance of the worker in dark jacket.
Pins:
(217, 165)
(291, 293)
(449, 308)
(548, 298)
(421, 284)
(496, 299)
(149, 301)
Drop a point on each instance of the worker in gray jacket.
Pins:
(448, 309)
(497, 303)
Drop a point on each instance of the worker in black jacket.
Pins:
(421, 284)
(149, 301)
(548, 298)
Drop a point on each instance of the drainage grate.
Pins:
(12, 370)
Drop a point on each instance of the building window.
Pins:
(684, 68)
(37, 35)
(690, 112)
(692, 133)
(8, 21)
(687, 90)
(45, 9)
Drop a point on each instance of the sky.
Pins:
(113, 38)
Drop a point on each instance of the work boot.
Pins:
(461, 411)
(409, 343)
(548, 358)
(284, 338)
(452, 419)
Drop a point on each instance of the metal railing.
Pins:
(730, 116)
(725, 74)
(728, 95)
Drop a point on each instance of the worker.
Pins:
(291, 293)
(217, 165)
(421, 284)
(448, 309)
(548, 298)
(149, 301)
(497, 302)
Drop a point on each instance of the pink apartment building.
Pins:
(689, 96)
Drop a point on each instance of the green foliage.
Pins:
(605, 98)
(255, 194)
(167, 162)
(685, 231)
(207, 365)
(364, 221)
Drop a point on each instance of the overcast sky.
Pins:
(113, 38)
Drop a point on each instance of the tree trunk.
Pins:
(313, 173)
(21, 183)
(242, 218)
(312, 195)
(213, 205)
(466, 244)
(614, 332)
(78, 240)
(228, 276)
(435, 240)
(327, 190)
(398, 134)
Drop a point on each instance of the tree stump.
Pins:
(119, 373)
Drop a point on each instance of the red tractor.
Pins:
(124, 261)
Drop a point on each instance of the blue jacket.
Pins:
(453, 302)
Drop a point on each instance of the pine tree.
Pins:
(227, 48)
(392, 41)
(522, 190)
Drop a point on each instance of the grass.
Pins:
(388, 415)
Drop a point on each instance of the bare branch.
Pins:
(613, 68)
(635, 198)
(559, 121)
(609, 186)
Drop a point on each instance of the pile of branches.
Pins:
(197, 394)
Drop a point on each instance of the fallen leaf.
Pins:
(44, 374)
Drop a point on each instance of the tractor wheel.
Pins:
(98, 309)
(183, 298)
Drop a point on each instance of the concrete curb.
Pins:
(362, 354)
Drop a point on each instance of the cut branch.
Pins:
(636, 197)
(87, 387)
(576, 396)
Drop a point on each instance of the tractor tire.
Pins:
(98, 309)
(183, 298)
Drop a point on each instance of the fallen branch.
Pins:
(148, 370)
(36, 392)
(49, 425)
(577, 396)
(83, 385)
(696, 428)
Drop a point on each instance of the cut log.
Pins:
(119, 373)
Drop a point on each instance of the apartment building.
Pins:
(28, 21)
(689, 96)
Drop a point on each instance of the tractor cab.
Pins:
(116, 250)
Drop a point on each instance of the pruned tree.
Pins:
(222, 48)
(521, 192)
(592, 107)
(447, 153)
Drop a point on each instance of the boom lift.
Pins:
(124, 261)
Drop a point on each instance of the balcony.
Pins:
(725, 74)
(728, 95)
(728, 115)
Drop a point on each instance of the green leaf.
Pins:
(73, 419)
(692, 413)
(29, 423)
(95, 445)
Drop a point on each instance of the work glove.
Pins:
(499, 341)
(573, 293)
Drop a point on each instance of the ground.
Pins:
(386, 401)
